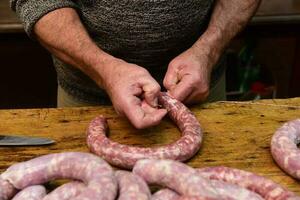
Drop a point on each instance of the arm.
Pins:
(188, 75)
(63, 34)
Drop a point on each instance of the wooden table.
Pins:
(235, 134)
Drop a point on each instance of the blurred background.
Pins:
(263, 61)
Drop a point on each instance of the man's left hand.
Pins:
(188, 75)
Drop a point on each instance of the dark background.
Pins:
(263, 61)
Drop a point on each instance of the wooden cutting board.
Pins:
(236, 134)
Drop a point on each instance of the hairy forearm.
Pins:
(229, 17)
(63, 34)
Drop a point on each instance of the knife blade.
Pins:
(14, 140)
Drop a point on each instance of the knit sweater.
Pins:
(149, 33)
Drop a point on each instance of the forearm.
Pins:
(229, 17)
(63, 34)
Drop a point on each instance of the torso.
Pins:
(149, 33)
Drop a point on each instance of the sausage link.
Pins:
(174, 175)
(186, 181)
(35, 192)
(66, 191)
(132, 186)
(7, 190)
(90, 169)
(165, 194)
(284, 148)
(125, 156)
(195, 198)
(268, 189)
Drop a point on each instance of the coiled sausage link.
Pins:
(132, 186)
(94, 172)
(66, 191)
(126, 156)
(7, 190)
(284, 148)
(185, 181)
(268, 189)
(165, 194)
(35, 192)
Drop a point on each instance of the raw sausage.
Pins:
(173, 175)
(284, 148)
(165, 194)
(66, 191)
(187, 182)
(132, 186)
(90, 169)
(268, 189)
(193, 198)
(126, 156)
(35, 192)
(7, 190)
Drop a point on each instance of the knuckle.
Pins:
(135, 122)
(191, 85)
(205, 89)
(203, 93)
(143, 71)
(165, 83)
(172, 63)
(152, 89)
(118, 110)
(139, 125)
(156, 87)
(156, 121)
(197, 80)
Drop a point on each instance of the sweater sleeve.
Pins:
(30, 11)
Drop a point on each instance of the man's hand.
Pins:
(131, 88)
(133, 92)
(188, 76)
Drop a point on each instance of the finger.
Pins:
(149, 109)
(142, 115)
(151, 90)
(132, 95)
(135, 90)
(154, 118)
(198, 95)
(182, 90)
(171, 78)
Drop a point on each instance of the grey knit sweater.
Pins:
(149, 33)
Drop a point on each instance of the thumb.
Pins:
(151, 91)
(182, 90)
(171, 78)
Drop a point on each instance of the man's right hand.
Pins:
(133, 92)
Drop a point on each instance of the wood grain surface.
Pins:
(236, 134)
